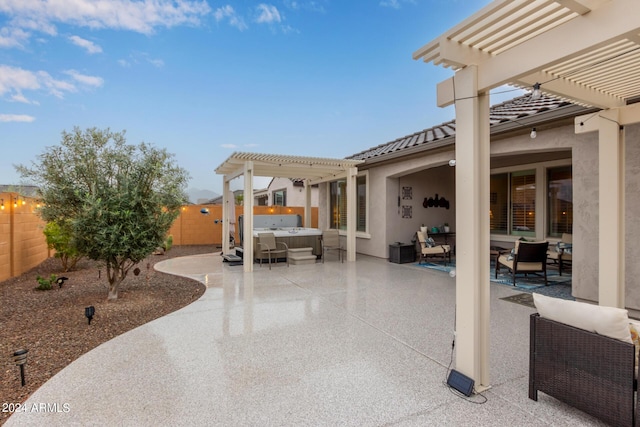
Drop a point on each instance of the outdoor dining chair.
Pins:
(267, 242)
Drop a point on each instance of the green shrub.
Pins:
(45, 284)
(168, 243)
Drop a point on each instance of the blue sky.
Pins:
(203, 79)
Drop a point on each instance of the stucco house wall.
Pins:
(428, 173)
(295, 194)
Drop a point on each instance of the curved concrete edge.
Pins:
(50, 404)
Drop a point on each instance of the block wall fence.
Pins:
(195, 228)
(23, 245)
(22, 242)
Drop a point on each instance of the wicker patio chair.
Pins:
(529, 257)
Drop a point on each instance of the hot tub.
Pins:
(288, 231)
(294, 237)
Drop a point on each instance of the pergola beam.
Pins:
(524, 61)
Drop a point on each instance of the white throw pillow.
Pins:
(608, 321)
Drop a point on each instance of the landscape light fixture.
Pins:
(15, 202)
(60, 281)
(204, 211)
(2, 201)
(89, 312)
(20, 358)
(536, 91)
(533, 133)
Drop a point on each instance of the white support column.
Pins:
(247, 221)
(307, 203)
(352, 214)
(225, 215)
(611, 143)
(472, 222)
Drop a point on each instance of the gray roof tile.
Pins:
(512, 110)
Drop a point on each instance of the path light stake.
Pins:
(60, 281)
(20, 358)
(89, 312)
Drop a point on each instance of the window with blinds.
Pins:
(523, 202)
(338, 204)
(362, 203)
(560, 201)
(499, 203)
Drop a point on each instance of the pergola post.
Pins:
(225, 215)
(307, 203)
(247, 218)
(611, 148)
(352, 213)
(472, 220)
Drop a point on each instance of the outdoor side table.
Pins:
(401, 253)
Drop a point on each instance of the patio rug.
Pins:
(559, 286)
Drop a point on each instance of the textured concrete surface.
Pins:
(360, 344)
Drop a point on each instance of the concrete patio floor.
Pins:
(359, 344)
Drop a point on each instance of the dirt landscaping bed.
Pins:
(52, 325)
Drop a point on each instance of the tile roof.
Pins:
(510, 111)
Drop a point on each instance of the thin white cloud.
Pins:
(142, 16)
(313, 5)
(159, 63)
(16, 118)
(268, 14)
(13, 37)
(55, 87)
(395, 4)
(136, 58)
(88, 45)
(15, 81)
(19, 97)
(86, 80)
(228, 13)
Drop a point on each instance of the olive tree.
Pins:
(119, 199)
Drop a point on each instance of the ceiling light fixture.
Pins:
(533, 133)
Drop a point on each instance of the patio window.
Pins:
(560, 201)
(280, 198)
(338, 204)
(523, 203)
(512, 205)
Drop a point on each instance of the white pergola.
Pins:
(313, 170)
(584, 51)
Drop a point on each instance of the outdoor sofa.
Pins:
(583, 368)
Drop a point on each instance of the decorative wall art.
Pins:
(407, 193)
(437, 202)
(407, 211)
